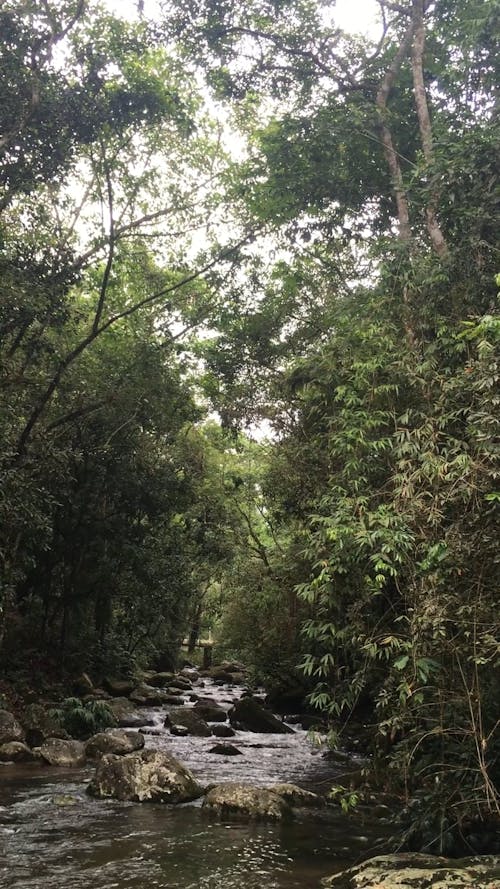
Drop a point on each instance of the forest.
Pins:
(249, 368)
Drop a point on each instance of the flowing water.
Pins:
(54, 836)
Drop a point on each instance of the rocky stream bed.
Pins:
(55, 835)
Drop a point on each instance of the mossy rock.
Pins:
(245, 802)
(147, 776)
(416, 871)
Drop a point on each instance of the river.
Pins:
(54, 836)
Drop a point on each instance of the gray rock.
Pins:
(226, 669)
(65, 799)
(66, 754)
(159, 680)
(173, 700)
(126, 714)
(225, 750)
(296, 796)
(181, 683)
(246, 802)
(16, 751)
(189, 719)
(148, 776)
(39, 725)
(179, 731)
(210, 712)
(415, 871)
(10, 728)
(249, 714)
(147, 696)
(222, 730)
(116, 740)
(119, 688)
(190, 673)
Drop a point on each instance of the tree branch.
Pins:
(111, 255)
(94, 332)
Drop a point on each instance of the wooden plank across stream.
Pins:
(207, 646)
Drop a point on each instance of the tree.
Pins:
(91, 240)
(376, 171)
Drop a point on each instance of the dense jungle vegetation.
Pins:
(236, 216)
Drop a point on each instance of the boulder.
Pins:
(147, 696)
(227, 675)
(173, 700)
(16, 751)
(222, 730)
(250, 715)
(225, 750)
(190, 673)
(287, 696)
(159, 680)
(179, 731)
(39, 724)
(181, 683)
(66, 754)
(115, 740)
(210, 711)
(226, 668)
(416, 871)
(126, 714)
(297, 797)
(119, 688)
(148, 776)
(189, 719)
(246, 802)
(10, 728)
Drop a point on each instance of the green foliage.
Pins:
(347, 799)
(81, 720)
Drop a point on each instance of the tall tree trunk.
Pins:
(424, 121)
(390, 152)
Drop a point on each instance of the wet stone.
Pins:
(246, 802)
(119, 687)
(189, 719)
(118, 741)
(222, 730)
(10, 728)
(16, 751)
(147, 776)
(417, 871)
(65, 754)
(225, 750)
(159, 680)
(210, 711)
(179, 731)
(126, 714)
(249, 714)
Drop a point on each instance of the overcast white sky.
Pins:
(357, 16)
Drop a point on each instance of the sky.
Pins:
(356, 16)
